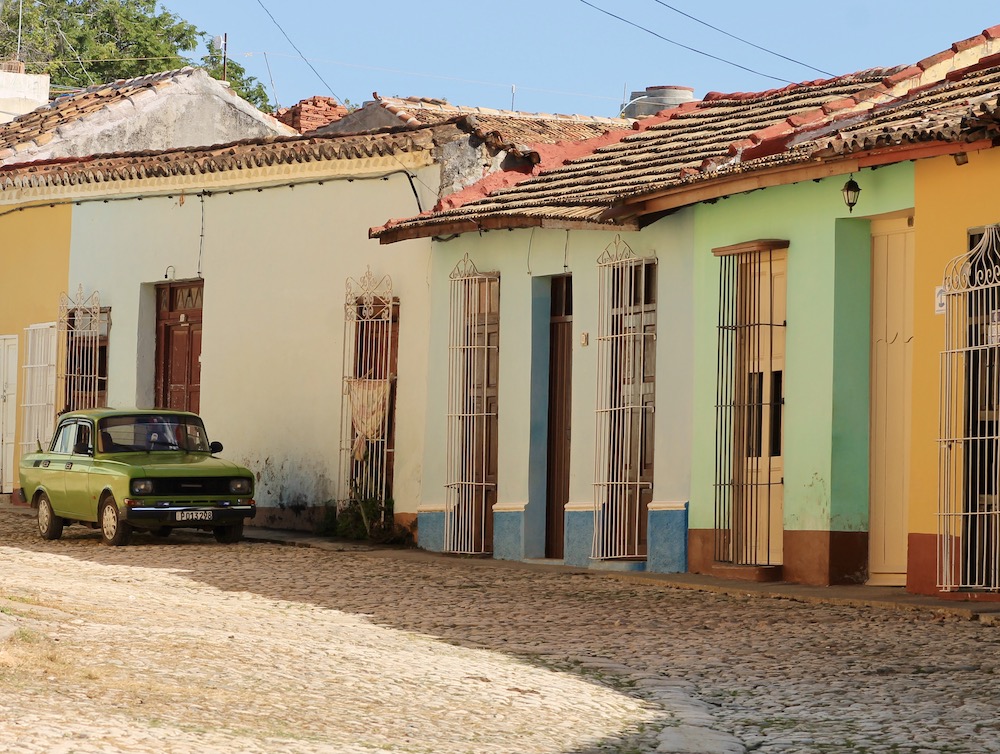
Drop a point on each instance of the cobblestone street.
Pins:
(186, 645)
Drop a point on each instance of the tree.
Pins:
(248, 87)
(85, 42)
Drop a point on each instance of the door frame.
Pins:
(8, 412)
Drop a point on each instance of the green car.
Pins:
(122, 470)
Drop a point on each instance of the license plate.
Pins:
(194, 515)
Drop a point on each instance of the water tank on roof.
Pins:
(655, 98)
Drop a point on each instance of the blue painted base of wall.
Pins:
(578, 544)
(430, 531)
(668, 541)
(508, 535)
(618, 565)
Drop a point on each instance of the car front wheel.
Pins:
(50, 526)
(229, 533)
(114, 531)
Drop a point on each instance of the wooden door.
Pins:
(483, 396)
(891, 380)
(560, 406)
(758, 515)
(8, 410)
(178, 345)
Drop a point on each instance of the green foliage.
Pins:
(370, 520)
(81, 43)
(84, 42)
(248, 87)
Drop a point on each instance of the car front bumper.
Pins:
(187, 515)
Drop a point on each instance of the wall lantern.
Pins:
(851, 191)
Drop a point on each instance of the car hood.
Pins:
(184, 464)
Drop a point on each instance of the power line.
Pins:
(686, 47)
(304, 58)
(411, 175)
(440, 77)
(744, 41)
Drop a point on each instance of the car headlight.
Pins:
(142, 487)
(239, 486)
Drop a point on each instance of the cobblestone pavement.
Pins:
(186, 645)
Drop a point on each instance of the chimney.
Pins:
(656, 98)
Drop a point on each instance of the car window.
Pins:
(84, 438)
(151, 432)
(62, 442)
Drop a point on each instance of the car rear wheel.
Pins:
(114, 531)
(229, 533)
(50, 526)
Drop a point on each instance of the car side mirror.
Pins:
(215, 447)
(81, 449)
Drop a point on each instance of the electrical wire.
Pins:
(686, 47)
(744, 41)
(411, 175)
(295, 47)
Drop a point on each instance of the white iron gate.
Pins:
(626, 391)
(969, 445)
(83, 328)
(371, 317)
(473, 371)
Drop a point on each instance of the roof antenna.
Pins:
(20, 16)
(513, 89)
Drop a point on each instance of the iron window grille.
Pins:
(371, 344)
(473, 375)
(750, 403)
(82, 351)
(968, 556)
(626, 388)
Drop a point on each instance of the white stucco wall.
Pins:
(671, 242)
(275, 264)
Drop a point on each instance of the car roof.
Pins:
(104, 413)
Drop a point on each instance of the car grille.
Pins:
(189, 487)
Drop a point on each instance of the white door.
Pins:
(8, 410)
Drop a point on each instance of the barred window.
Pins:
(749, 466)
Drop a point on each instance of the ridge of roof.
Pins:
(704, 138)
(244, 154)
(40, 127)
(408, 108)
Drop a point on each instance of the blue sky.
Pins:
(562, 55)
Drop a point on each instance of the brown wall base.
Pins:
(407, 521)
(820, 558)
(921, 572)
(824, 558)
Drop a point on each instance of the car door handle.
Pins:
(69, 465)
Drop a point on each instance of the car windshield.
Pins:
(151, 432)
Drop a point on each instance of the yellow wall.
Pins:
(34, 269)
(950, 199)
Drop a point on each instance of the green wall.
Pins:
(827, 340)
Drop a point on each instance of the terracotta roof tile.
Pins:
(513, 126)
(40, 126)
(719, 135)
(190, 161)
(720, 127)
